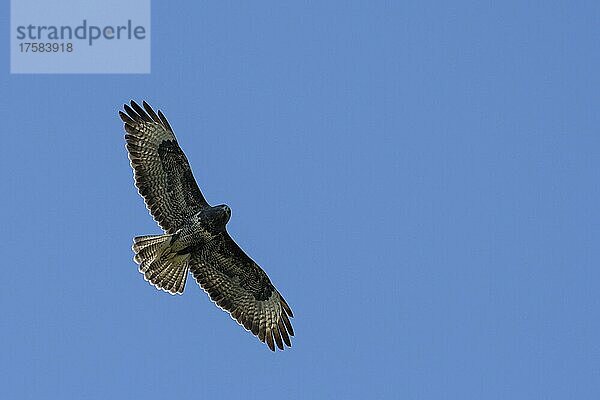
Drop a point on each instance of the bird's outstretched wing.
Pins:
(238, 285)
(161, 170)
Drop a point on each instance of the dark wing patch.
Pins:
(238, 285)
(161, 170)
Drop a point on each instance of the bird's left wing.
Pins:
(239, 286)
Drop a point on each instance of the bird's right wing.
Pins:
(161, 170)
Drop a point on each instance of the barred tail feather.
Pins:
(147, 247)
(163, 269)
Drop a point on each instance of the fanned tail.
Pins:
(165, 270)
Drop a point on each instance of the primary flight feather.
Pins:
(195, 238)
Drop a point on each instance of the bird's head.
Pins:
(223, 212)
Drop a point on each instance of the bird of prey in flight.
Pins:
(195, 237)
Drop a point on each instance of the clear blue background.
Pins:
(419, 179)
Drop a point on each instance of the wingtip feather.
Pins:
(270, 340)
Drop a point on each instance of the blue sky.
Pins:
(419, 179)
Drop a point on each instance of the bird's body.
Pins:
(195, 238)
(201, 228)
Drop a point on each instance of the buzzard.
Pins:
(195, 237)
